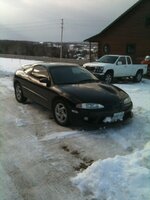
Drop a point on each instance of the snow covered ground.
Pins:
(125, 176)
(10, 65)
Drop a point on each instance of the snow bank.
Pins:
(122, 177)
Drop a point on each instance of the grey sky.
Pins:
(40, 20)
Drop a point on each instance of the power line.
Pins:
(61, 37)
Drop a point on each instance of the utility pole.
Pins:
(61, 46)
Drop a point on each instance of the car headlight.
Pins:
(127, 100)
(89, 106)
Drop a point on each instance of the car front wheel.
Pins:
(19, 94)
(61, 112)
(108, 78)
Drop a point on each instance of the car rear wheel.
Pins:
(61, 112)
(19, 94)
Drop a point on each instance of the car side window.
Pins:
(28, 70)
(39, 71)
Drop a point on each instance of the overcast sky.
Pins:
(40, 20)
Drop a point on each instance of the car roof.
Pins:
(56, 64)
(115, 55)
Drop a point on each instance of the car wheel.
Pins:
(19, 94)
(61, 112)
(108, 78)
(138, 76)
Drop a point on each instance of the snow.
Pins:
(60, 135)
(10, 65)
(122, 177)
(125, 177)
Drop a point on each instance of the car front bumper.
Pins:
(111, 115)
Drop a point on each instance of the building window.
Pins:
(131, 49)
(106, 49)
(147, 21)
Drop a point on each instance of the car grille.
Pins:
(94, 69)
(91, 69)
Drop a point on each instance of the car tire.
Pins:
(138, 76)
(61, 112)
(19, 93)
(108, 78)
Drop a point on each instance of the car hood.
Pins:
(97, 64)
(93, 93)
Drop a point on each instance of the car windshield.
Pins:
(71, 75)
(108, 59)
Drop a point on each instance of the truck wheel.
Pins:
(138, 76)
(108, 78)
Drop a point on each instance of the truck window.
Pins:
(122, 60)
(129, 61)
(108, 59)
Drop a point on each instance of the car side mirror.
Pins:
(45, 80)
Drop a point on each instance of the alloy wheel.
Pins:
(61, 113)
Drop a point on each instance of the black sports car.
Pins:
(71, 92)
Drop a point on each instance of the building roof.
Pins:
(94, 38)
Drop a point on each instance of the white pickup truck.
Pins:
(116, 66)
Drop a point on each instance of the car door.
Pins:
(130, 70)
(120, 69)
(38, 88)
